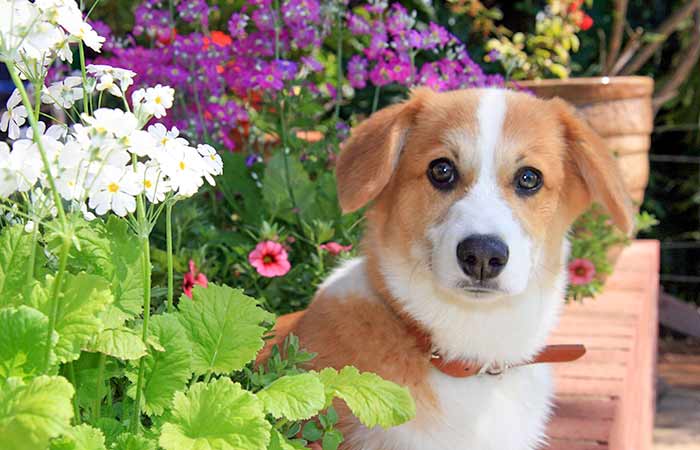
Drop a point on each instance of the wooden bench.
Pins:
(606, 399)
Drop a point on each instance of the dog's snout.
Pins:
(482, 257)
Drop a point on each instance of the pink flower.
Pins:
(581, 271)
(270, 259)
(334, 248)
(191, 278)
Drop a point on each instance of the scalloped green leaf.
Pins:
(223, 327)
(81, 437)
(112, 251)
(123, 343)
(219, 415)
(32, 413)
(128, 441)
(23, 333)
(81, 299)
(279, 442)
(373, 400)
(167, 371)
(294, 397)
(15, 250)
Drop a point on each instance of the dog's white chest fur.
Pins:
(507, 412)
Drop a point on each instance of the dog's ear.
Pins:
(368, 158)
(596, 174)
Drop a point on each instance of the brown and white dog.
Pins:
(473, 193)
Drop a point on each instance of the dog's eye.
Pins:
(528, 180)
(442, 173)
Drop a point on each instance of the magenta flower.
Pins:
(270, 259)
(192, 278)
(334, 248)
(581, 271)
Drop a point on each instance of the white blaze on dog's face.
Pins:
(475, 189)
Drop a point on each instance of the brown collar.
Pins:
(463, 369)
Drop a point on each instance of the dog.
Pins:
(472, 194)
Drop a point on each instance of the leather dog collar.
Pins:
(463, 369)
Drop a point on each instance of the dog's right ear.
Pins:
(368, 158)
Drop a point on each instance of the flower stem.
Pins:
(146, 263)
(339, 56)
(55, 289)
(375, 100)
(37, 138)
(76, 408)
(83, 73)
(30, 263)
(144, 229)
(96, 410)
(169, 248)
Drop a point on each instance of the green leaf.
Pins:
(279, 442)
(373, 400)
(166, 372)
(219, 415)
(223, 326)
(23, 333)
(294, 397)
(277, 185)
(128, 441)
(240, 189)
(311, 432)
(33, 413)
(123, 343)
(15, 249)
(109, 250)
(81, 299)
(81, 437)
(332, 440)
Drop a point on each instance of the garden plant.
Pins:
(87, 361)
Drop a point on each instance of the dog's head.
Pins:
(476, 188)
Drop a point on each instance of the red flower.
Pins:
(586, 22)
(219, 38)
(581, 271)
(270, 259)
(191, 278)
(334, 248)
(574, 6)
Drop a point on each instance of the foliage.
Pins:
(89, 358)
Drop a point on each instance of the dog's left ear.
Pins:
(597, 176)
(369, 157)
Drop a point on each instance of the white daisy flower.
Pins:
(112, 79)
(183, 166)
(155, 186)
(153, 101)
(19, 168)
(63, 93)
(14, 117)
(165, 137)
(140, 143)
(211, 161)
(113, 121)
(70, 18)
(115, 190)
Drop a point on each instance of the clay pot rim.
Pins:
(588, 90)
(614, 81)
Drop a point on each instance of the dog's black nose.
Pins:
(482, 257)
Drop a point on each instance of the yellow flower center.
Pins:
(164, 141)
(148, 184)
(113, 187)
(158, 101)
(213, 157)
(182, 165)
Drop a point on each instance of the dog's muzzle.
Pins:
(482, 257)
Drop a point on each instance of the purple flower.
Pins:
(376, 46)
(312, 63)
(357, 25)
(381, 74)
(264, 19)
(251, 159)
(401, 70)
(398, 21)
(194, 11)
(357, 72)
(237, 24)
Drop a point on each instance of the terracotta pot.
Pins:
(620, 110)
